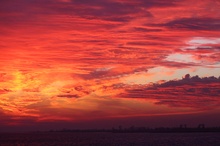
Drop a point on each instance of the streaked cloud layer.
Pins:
(74, 60)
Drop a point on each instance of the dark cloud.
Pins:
(30, 11)
(106, 73)
(7, 121)
(176, 64)
(15, 12)
(194, 92)
(159, 3)
(187, 80)
(142, 29)
(203, 49)
(211, 24)
(73, 91)
(143, 43)
(69, 96)
(4, 91)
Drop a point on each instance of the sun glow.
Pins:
(79, 60)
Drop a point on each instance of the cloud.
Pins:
(69, 96)
(143, 29)
(130, 42)
(211, 24)
(177, 64)
(193, 92)
(3, 91)
(7, 121)
(104, 10)
(77, 56)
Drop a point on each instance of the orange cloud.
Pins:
(80, 57)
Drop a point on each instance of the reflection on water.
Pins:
(110, 139)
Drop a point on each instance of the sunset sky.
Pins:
(104, 63)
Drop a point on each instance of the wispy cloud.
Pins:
(79, 56)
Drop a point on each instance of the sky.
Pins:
(104, 63)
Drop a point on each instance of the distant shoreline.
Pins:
(147, 130)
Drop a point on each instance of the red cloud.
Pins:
(194, 92)
(53, 51)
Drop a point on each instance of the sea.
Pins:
(108, 139)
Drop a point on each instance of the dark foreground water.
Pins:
(109, 139)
